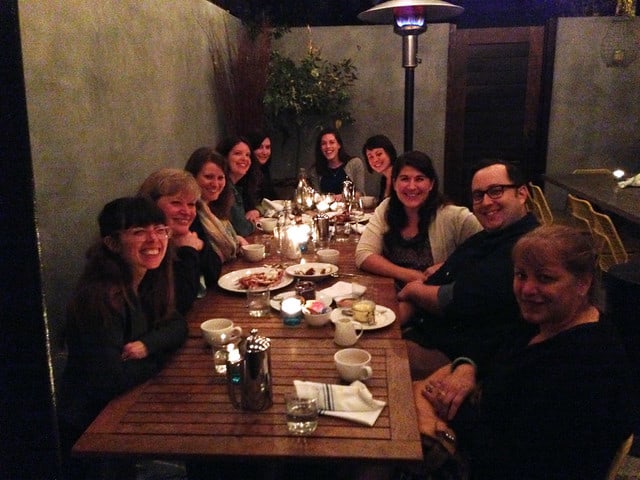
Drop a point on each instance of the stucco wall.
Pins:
(118, 88)
(115, 90)
(595, 109)
(378, 94)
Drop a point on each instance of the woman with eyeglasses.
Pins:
(415, 229)
(177, 193)
(122, 324)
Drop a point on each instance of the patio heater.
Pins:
(410, 19)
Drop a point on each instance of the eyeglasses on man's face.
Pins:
(494, 192)
(142, 233)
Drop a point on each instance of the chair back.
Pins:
(613, 250)
(592, 171)
(538, 205)
(582, 211)
(622, 452)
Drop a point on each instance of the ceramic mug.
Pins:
(219, 331)
(353, 364)
(345, 334)
(267, 224)
(254, 252)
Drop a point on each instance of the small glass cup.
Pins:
(258, 302)
(302, 414)
(267, 240)
(220, 356)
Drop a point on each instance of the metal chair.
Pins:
(582, 211)
(591, 171)
(622, 452)
(537, 203)
(612, 250)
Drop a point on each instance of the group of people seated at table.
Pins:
(489, 302)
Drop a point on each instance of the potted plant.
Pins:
(308, 94)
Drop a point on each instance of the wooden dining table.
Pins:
(185, 412)
(601, 190)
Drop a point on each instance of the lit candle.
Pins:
(291, 310)
(322, 206)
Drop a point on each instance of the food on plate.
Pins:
(315, 307)
(342, 217)
(364, 311)
(265, 278)
(312, 271)
(345, 302)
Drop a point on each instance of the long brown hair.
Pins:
(105, 287)
(196, 162)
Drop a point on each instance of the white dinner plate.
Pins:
(384, 317)
(320, 270)
(230, 283)
(364, 218)
(276, 300)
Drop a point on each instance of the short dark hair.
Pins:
(379, 141)
(126, 212)
(513, 172)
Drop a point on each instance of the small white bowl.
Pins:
(316, 319)
(328, 255)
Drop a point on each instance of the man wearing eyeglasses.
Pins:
(467, 306)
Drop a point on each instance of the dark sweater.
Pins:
(554, 410)
(483, 310)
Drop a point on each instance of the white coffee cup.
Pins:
(253, 252)
(328, 255)
(219, 331)
(353, 364)
(367, 202)
(267, 224)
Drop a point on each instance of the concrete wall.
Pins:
(115, 90)
(378, 95)
(595, 109)
(118, 88)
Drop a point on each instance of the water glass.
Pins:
(258, 303)
(220, 355)
(302, 414)
(266, 240)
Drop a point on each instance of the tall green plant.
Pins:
(314, 87)
(308, 94)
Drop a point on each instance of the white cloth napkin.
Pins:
(341, 289)
(273, 205)
(630, 182)
(352, 402)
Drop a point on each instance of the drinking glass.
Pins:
(258, 302)
(302, 414)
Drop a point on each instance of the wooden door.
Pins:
(494, 102)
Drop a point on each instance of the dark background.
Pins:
(477, 14)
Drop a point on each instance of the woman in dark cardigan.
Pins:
(121, 322)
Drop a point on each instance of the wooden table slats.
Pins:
(185, 412)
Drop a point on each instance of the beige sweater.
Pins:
(451, 226)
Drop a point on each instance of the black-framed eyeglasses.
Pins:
(142, 233)
(494, 192)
